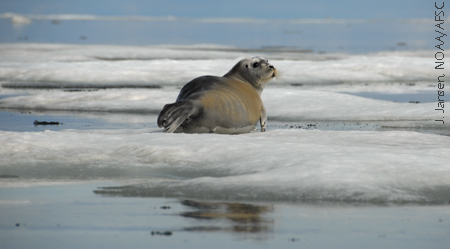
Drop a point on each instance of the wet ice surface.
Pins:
(70, 216)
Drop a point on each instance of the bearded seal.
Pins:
(230, 104)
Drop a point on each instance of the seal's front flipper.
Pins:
(263, 119)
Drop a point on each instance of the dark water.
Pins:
(327, 36)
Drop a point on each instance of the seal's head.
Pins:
(254, 70)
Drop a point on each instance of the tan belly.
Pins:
(229, 108)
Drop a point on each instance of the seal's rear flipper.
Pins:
(173, 115)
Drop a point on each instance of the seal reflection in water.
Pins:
(230, 104)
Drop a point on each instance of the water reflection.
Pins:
(210, 216)
(223, 216)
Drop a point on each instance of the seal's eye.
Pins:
(255, 65)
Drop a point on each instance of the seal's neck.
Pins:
(259, 87)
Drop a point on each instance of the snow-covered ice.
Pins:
(276, 165)
(45, 65)
(280, 164)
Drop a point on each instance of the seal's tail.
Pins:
(173, 115)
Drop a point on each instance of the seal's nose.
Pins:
(270, 66)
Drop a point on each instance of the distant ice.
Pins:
(200, 20)
(48, 65)
(20, 20)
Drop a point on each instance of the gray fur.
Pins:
(212, 104)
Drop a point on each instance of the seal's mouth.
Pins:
(275, 73)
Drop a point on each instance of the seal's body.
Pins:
(230, 104)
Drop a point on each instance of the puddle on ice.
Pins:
(23, 121)
(416, 97)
